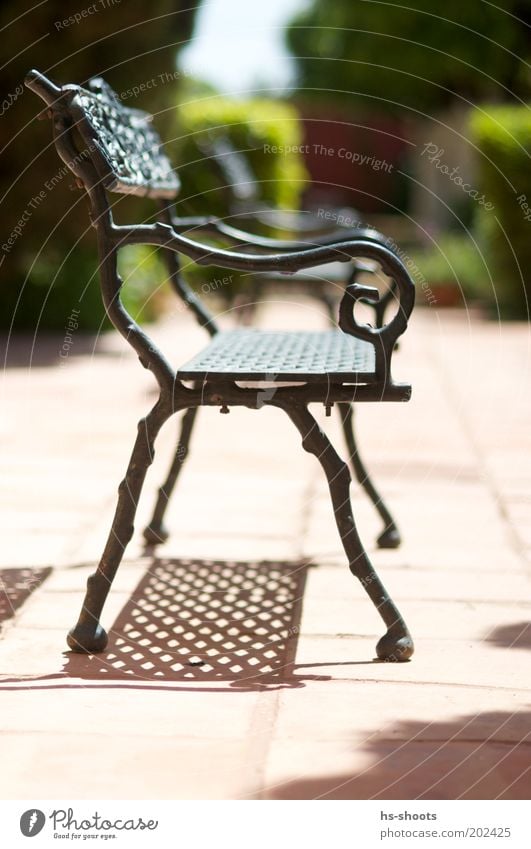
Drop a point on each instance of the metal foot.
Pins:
(397, 644)
(88, 635)
(156, 532)
(390, 536)
(86, 639)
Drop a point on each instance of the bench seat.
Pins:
(249, 354)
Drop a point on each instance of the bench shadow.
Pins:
(515, 636)
(16, 586)
(205, 622)
(476, 756)
(25, 350)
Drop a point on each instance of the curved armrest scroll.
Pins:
(382, 337)
(218, 227)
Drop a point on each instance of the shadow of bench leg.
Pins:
(156, 532)
(390, 536)
(88, 636)
(396, 644)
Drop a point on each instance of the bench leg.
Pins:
(390, 536)
(396, 644)
(156, 532)
(88, 636)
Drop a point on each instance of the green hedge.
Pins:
(128, 49)
(56, 284)
(454, 260)
(503, 137)
(253, 127)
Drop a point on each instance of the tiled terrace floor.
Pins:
(292, 703)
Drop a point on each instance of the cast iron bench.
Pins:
(111, 148)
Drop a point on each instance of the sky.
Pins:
(238, 44)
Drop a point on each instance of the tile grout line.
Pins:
(263, 720)
(456, 405)
(260, 734)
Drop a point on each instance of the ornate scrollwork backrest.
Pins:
(125, 146)
(121, 142)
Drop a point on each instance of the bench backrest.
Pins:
(121, 142)
(113, 148)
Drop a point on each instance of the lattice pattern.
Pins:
(15, 587)
(123, 145)
(276, 356)
(200, 620)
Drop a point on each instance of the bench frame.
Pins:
(77, 112)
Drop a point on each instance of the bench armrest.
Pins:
(250, 241)
(244, 239)
(382, 338)
(302, 224)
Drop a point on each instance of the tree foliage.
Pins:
(134, 47)
(502, 135)
(416, 55)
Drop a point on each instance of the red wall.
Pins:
(345, 172)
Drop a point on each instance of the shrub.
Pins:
(253, 127)
(128, 50)
(145, 287)
(503, 137)
(454, 260)
(56, 285)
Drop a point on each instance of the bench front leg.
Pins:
(88, 636)
(396, 644)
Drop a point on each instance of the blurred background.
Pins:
(413, 122)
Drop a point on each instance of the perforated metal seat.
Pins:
(248, 354)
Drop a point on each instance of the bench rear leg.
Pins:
(390, 536)
(156, 531)
(88, 636)
(396, 644)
